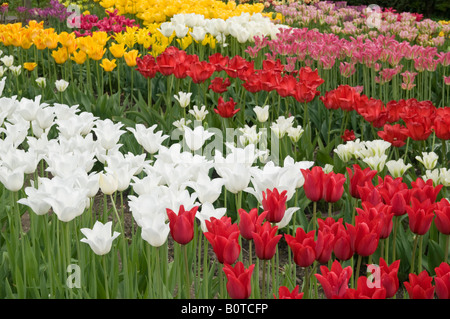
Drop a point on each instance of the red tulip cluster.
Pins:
(319, 185)
(272, 77)
(417, 119)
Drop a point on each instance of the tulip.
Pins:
(199, 114)
(359, 177)
(389, 277)
(248, 221)
(226, 109)
(108, 183)
(442, 220)
(363, 291)
(303, 247)
(343, 245)
(130, 57)
(155, 230)
(223, 237)
(333, 187)
(239, 280)
(61, 85)
(219, 85)
(147, 66)
(313, 185)
(182, 224)
(420, 215)
(197, 137)
(274, 203)
(30, 66)
(428, 160)
(334, 281)
(99, 237)
(183, 98)
(442, 281)
(285, 293)
(262, 113)
(108, 65)
(79, 57)
(265, 240)
(117, 50)
(419, 286)
(41, 82)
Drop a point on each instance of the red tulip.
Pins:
(219, 85)
(147, 66)
(422, 190)
(274, 203)
(343, 247)
(266, 240)
(200, 71)
(313, 185)
(239, 280)
(286, 86)
(324, 246)
(369, 193)
(419, 286)
(363, 291)
(442, 220)
(219, 61)
(380, 213)
(419, 128)
(442, 280)
(334, 281)
(372, 110)
(310, 78)
(249, 221)
(420, 215)
(395, 134)
(365, 235)
(389, 277)
(226, 109)
(184, 63)
(224, 239)
(333, 187)
(182, 224)
(348, 135)
(167, 62)
(441, 123)
(284, 293)
(359, 177)
(235, 64)
(302, 246)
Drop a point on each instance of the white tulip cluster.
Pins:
(243, 27)
(70, 144)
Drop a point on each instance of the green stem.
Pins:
(413, 257)
(188, 282)
(106, 276)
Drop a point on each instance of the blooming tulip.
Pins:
(239, 280)
(182, 224)
(420, 286)
(285, 293)
(334, 281)
(303, 247)
(223, 237)
(274, 203)
(226, 109)
(442, 220)
(389, 277)
(248, 222)
(61, 85)
(442, 280)
(265, 240)
(99, 237)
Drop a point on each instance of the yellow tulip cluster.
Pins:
(158, 11)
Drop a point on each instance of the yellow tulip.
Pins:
(61, 55)
(79, 57)
(30, 66)
(108, 65)
(96, 53)
(117, 50)
(67, 39)
(51, 41)
(185, 42)
(130, 57)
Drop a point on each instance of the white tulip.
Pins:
(99, 237)
(61, 85)
(428, 160)
(397, 168)
(262, 113)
